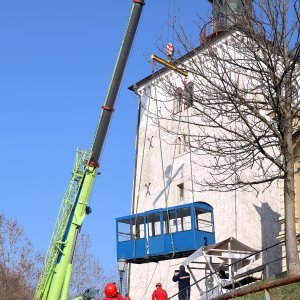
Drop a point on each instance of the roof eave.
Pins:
(223, 34)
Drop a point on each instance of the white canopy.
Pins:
(229, 249)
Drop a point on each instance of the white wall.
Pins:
(248, 216)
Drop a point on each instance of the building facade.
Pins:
(168, 168)
(166, 172)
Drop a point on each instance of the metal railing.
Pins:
(269, 265)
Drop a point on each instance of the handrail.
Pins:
(250, 272)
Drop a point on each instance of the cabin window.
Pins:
(203, 220)
(169, 219)
(124, 230)
(138, 228)
(153, 224)
(178, 101)
(184, 219)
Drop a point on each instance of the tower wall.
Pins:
(162, 168)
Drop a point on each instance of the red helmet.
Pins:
(110, 290)
(158, 284)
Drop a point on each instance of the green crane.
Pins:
(55, 277)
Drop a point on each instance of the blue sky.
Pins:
(56, 60)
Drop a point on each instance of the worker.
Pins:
(159, 293)
(222, 274)
(111, 292)
(183, 279)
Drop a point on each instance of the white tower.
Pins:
(165, 169)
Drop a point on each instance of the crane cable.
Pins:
(146, 290)
(141, 170)
(189, 143)
(148, 112)
(146, 108)
(166, 194)
(191, 161)
(142, 163)
(169, 18)
(166, 188)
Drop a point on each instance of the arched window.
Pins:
(181, 192)
(179, 146)
(182, 145)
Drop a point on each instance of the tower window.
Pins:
(177, 107)
(179, 145)
(181, 192)
(182, 144)
(189, 94)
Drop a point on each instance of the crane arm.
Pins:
(113, 89)
(55, 278)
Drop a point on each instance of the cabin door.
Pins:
(154, 234)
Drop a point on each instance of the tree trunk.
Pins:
(292, 256)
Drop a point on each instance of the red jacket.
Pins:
(117, 297)
(159, 294)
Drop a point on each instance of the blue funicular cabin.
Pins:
(165, 233)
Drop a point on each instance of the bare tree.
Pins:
(87, 269)
(19, 263)
(241, 109)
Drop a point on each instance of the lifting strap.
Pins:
(141, 172)
(166, 189)
(190, 157)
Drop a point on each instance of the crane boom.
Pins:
(108, 107)
(55, 277)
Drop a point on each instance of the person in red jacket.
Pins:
(159, 293)
(111, 292)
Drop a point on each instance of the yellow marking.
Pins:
(169, 65)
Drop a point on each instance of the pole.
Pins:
(121, 281)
